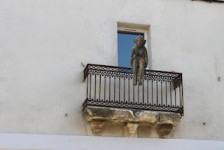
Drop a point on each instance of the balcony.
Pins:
(112, 98)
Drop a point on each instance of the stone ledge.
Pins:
(162, 122)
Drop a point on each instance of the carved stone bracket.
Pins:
(164, 129)
(161, 123)
(131, 129)
(97, 126)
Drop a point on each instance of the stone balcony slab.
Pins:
(163, 123)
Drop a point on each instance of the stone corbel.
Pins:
(97, 126)
(131, 129)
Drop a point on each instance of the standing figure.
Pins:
(139, 60)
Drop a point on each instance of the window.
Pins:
(126, 34)
(125, 44)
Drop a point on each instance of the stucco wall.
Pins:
(43, 44)
(64, 142)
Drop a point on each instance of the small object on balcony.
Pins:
(139, 60)
(83, 64)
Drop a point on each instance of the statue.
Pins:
(139, 60)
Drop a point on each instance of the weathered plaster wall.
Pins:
(65, 142)
(43, 44)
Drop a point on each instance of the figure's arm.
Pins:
(132, 55)
(146, 57)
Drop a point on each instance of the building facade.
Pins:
(46, 44)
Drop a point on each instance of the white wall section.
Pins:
(63, 142)
(44, 42)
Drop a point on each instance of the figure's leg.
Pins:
(135, 71)
(141, 70)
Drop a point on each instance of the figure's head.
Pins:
(139, 41)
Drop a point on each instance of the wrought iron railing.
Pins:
(110, 86)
